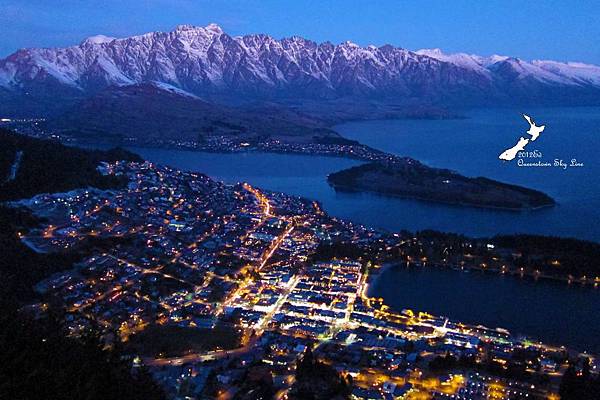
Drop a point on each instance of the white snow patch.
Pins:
(463, 60)
(98, 39)
(583, 73)
(173, 89)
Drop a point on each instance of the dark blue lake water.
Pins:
(471, 146)
(554, 312)
(551, 311)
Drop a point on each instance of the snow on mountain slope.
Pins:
(543, 71)
(463, 60)
(519, 69)
(173, 89)
(579, 72)
(98, 39)
(205, 62)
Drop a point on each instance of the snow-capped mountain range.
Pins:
(551, 72)
(208, 63)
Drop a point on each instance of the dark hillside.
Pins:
(47, 166)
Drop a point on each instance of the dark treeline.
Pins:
(551, 254)
(327, 251)
(316, 380)
(533, 255)
(580, 384)
(39, 361)
(47, 166)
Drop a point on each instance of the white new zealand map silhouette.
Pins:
(534, 131)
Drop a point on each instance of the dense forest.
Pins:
(39, 361)
(41, 166)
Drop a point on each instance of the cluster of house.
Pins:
(179, 249)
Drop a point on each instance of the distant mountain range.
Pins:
(326, 81)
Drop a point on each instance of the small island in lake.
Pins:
(410, 178)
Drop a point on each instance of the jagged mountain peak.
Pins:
(207, 62)
(210, 27)
(98, 39)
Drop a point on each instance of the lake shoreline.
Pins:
(336, 186)
(302, 175)
(414, 288)
(590, 283)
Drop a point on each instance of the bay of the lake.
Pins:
(554, 312)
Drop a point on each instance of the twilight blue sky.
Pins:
(550, 29)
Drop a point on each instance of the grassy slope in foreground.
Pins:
(413, 179)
